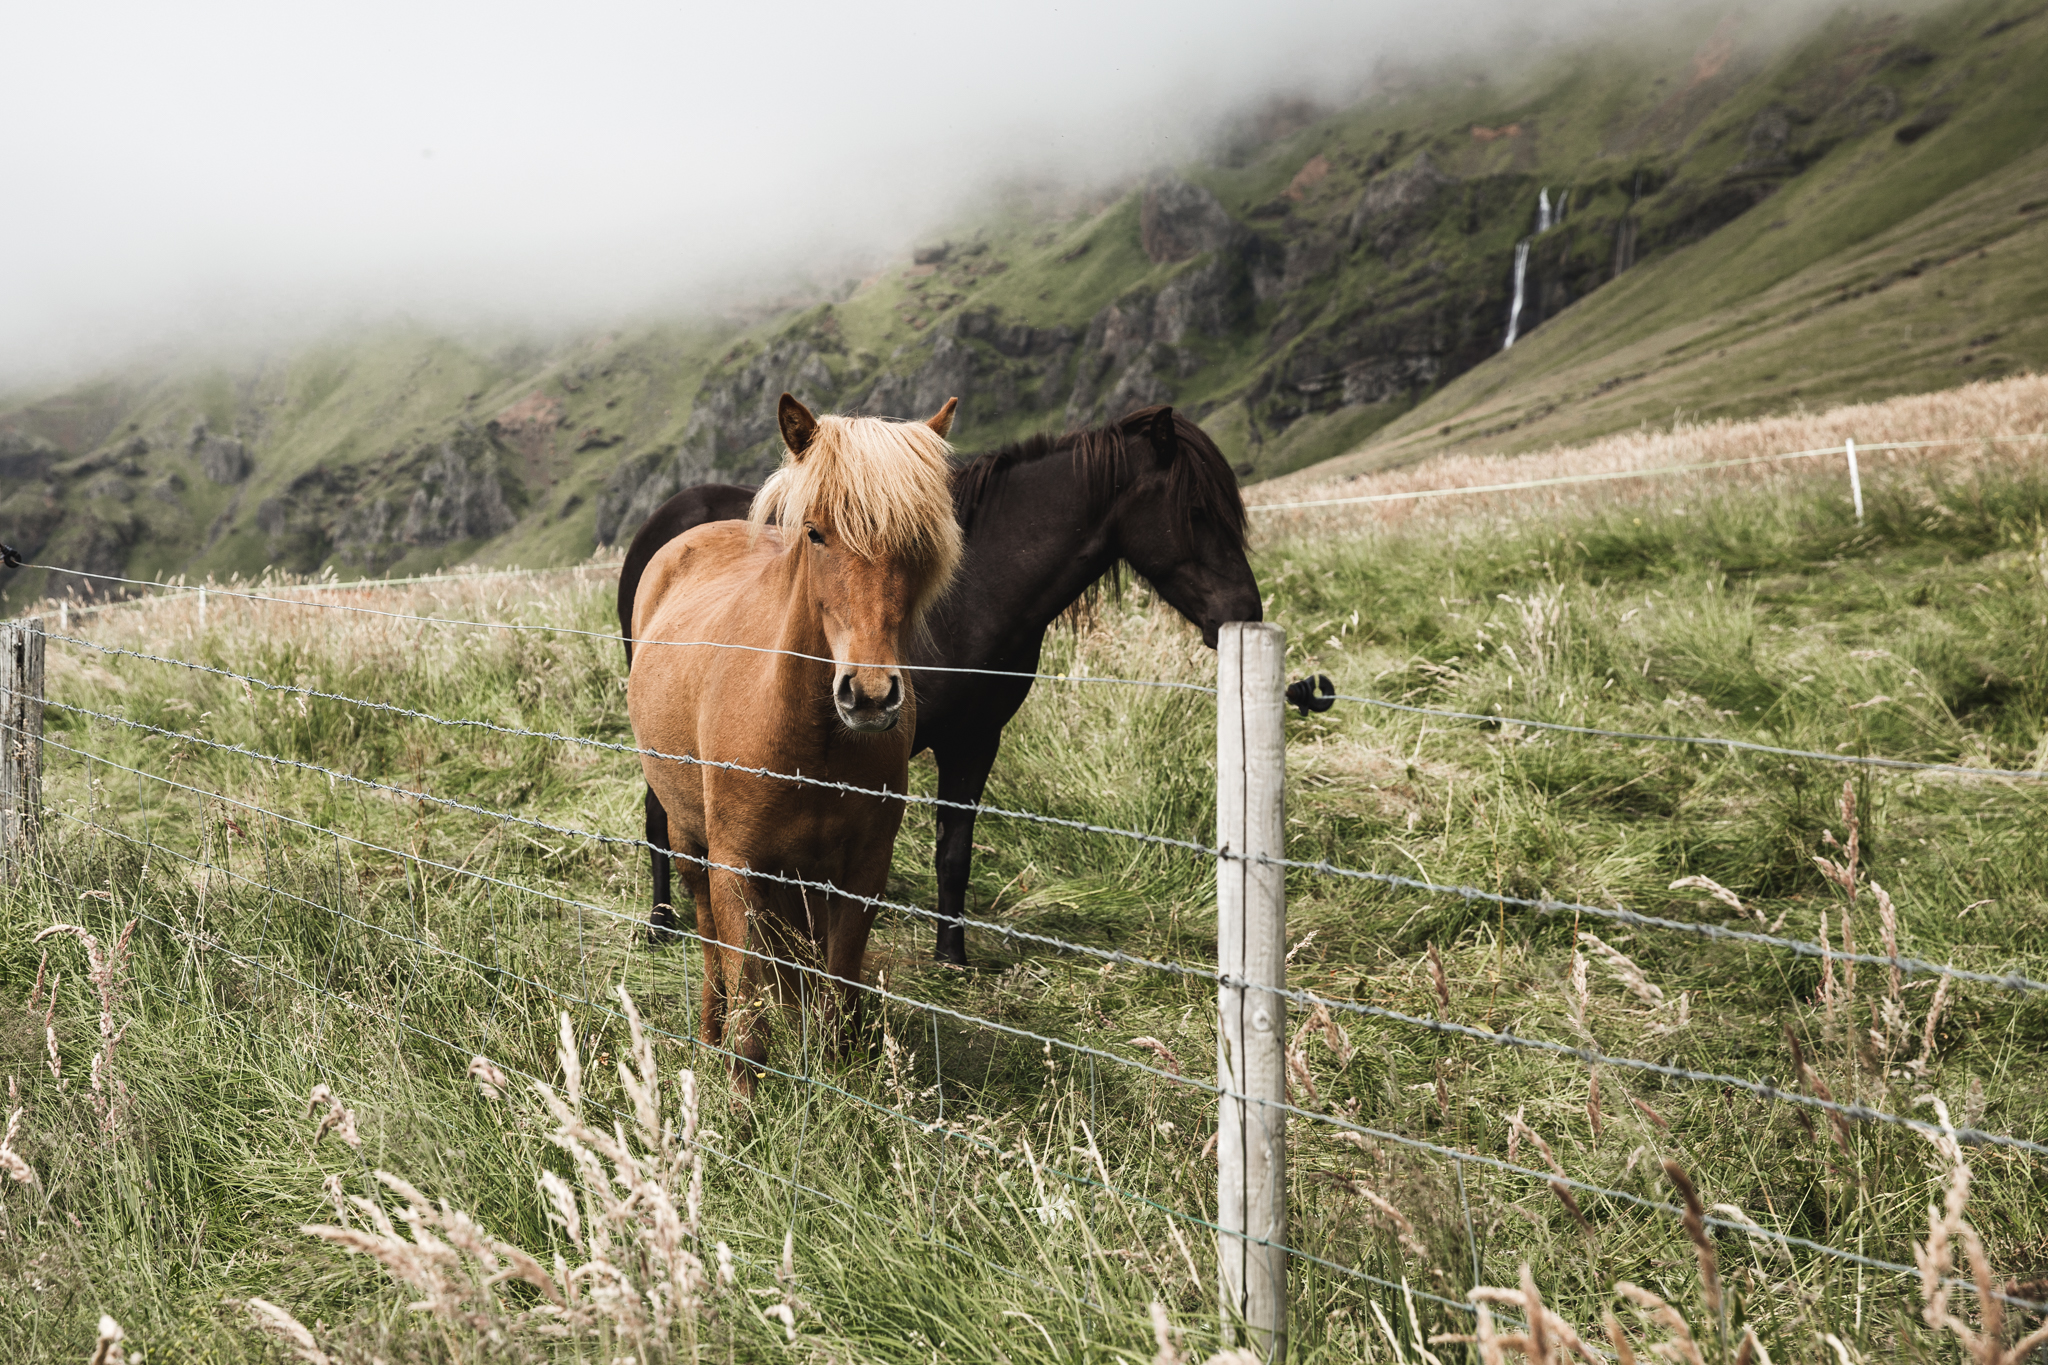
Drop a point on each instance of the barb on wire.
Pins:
(1703, 741)
(642, 644)
(606, 1009)
(1158, 1073)
(1909, 965)
(1861, 1113)
(517, 732)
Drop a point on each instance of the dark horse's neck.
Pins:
(1038, 534)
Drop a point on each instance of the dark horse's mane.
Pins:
(1200, 481)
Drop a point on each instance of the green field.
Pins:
(273, 956)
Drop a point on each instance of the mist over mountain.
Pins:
(1313, 239)
(237, 176)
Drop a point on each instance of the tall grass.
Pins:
(1024, 1207)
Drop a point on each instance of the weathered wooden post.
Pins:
(1251, 947)
(21, 743)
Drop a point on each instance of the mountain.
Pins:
(1717, 220)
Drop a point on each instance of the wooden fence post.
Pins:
(1251, 947)
(21, 743)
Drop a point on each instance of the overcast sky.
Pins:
(189, 171)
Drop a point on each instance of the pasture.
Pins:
(968, 1194)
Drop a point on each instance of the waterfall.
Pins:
(1521, 272)
(1542, 211)
(1564, 203)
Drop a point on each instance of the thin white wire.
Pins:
(1909, 965)
(1705, 741)
(642, 644)
(517, 732)
(1611, 475)
(1224, 1092)
(1589, 1055)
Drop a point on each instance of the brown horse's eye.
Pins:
(817, 536)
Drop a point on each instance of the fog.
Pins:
(187, 175)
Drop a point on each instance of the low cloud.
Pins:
(193, 174)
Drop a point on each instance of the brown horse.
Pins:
(823, 604)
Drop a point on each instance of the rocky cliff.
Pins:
(1330, 274)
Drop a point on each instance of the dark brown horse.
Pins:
(848, 545)
(1045, 520)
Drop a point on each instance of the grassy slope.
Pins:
(1755, 611)
(1885, 268)
(1881, 268)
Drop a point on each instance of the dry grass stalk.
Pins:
(1694, 1222)
(489, 1080)
(1750, 1351)
(1650, 1114)
(1161, 1051)
(630, 1214)
(11, 1162)
(1681, 1349)
(1404, 1229)
(1625, 970)
(1167, 1337)
(338, 1120)
(1888, 930)
(1934, 1009)
(1571, 1206)
(1546, 1339)
(1818, 1088)
(1757, 1234)
(1714, 889)
(104, 970)
(107, 1350)
(289, 1330)
(1828, 989)
(1579, 994)
(1593, 1102)
(1436, 973)
(1518, 1129)
(1935, 1258)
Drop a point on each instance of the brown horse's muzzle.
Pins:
(868, 699)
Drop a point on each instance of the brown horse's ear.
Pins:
(1164, 438)
(942, 420)
(799, 428)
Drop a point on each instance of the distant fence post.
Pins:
(1251, 947)
(1855, 480)
(21, 743)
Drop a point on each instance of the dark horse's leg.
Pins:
(661, 923)
(963, 774)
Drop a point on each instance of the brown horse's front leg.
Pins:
(846, 945)
(745, 1034)
(711, 1022)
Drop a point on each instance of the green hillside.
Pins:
(1743, 224)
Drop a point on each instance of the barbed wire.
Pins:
(1145, 1068)
(1703, 741)
(846, 788)
(212, 944)
(1607, 476)
(1591, 1056)
(1804, 948)
(912, 668)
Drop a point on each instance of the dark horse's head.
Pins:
(1174, 514)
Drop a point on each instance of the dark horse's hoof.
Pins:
(952, 957)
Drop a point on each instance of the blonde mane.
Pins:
(885, 487)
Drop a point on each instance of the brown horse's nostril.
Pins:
(844, 693)
(895, 697)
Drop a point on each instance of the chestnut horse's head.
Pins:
(868, 504)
